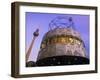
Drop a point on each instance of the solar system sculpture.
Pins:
(61, 45)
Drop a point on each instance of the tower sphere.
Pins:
(36, 33)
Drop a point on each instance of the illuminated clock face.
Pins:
(66, 40)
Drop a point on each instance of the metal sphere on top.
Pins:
(36, 33)
(62, 22)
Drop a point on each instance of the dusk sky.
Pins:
(42, 20)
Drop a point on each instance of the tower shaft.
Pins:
(30, 49)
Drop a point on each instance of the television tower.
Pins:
(35, 34)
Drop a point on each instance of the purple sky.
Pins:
(42, 20)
